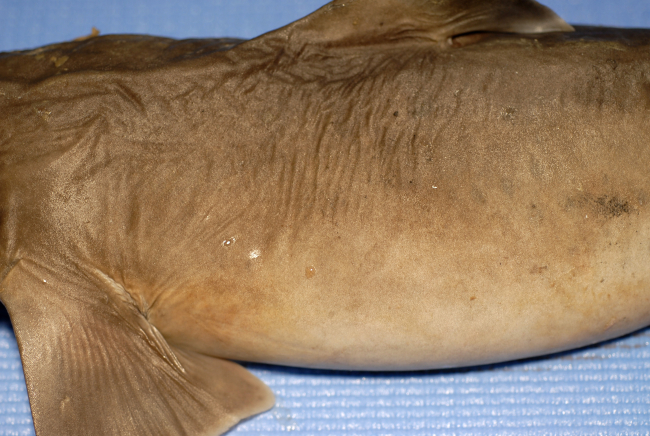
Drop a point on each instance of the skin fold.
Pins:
(386, 185)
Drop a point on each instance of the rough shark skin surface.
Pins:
(382, 185)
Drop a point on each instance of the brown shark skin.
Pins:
(369, 210)
(434, 219)
(384, 206)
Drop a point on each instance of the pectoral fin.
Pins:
(95, 366)
(349, 22)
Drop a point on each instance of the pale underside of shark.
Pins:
(382, 185)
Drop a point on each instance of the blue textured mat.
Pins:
(602, 390)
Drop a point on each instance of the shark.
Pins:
(381, 185)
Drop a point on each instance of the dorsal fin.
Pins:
(368, 21)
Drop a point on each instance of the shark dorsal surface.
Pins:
(390, 204)
(355, 22)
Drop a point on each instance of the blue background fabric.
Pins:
(598, 390)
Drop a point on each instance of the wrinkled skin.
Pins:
(403, 203)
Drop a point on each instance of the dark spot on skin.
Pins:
(538, 269)
(612, 207)
(310, 272)
(603, 206)
(396, 114)
(472, 299)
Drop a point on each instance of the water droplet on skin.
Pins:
(254, 254)
(310, 272)
(228, 242)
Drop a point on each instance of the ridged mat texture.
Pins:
(598, 390)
